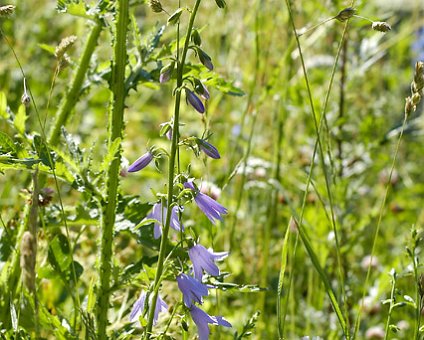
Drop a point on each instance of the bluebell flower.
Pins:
(194, 101)
(205, 59)
(193, 290)
(208, 148)
(141, 162)
(159, 214)
(201, 89)
(139, 305)
(211, 208)
(204, 259)
(203, 319)
(205, 94)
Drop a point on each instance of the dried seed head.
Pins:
(381, 26)
(409, 106)
(64, 45)
(418, 83)
(28, 256)
(26, 100)
(45, 196)
(345, 14)
(416, 98)
(6, 10)
(156, 6)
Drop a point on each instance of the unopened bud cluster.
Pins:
(417, 87)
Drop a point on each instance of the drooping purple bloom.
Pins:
(194, 101)
(203, 319)
(159, 214)
(205, 94)
(139, 305)
(208, 148)
(204, 259)
(141, 162)
(166, 73)
(201, 89)
(211, 208)
(193, 290)
(205, 59)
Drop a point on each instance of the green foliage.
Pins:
(303, 232)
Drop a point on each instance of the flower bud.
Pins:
(195, 37)
(141, 162)
(381, 26)
(205, 59)
(345, 14)
(194, 101)
(201, 89)
(208, 148)
(166, 72)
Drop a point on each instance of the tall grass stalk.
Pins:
(171, 169)
(318, 146)
(116, 124)
(377, 228)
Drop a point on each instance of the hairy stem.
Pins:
(72, 96)
(116, 125)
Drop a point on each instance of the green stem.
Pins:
(116, 125)
(392, 299)
(171, 170)
(377, 228)
(319, 147)
(72, 96)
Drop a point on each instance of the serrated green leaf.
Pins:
(110, 156)
(6, 144)
(75, 8)
(225, 87)
(74, 150)
(59, 253)
(43, 152)
(20, 119)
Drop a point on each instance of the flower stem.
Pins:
(115, 133)
(171, 170)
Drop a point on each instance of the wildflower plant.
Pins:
(166, 214)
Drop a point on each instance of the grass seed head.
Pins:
(6, 10)
(381, 26)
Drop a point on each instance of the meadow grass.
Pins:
(298, 150)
